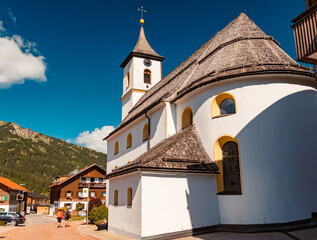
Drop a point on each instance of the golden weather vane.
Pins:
(142, 11)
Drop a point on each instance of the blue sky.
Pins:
(82, 43)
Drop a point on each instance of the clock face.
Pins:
(147, 62)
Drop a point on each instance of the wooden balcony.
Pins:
(91, 185)
(305, 34)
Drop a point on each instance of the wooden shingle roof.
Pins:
(183, 151)
(240, 49)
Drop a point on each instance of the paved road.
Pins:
(41, 227)
(37, 219)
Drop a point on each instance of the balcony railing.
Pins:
(91, 185)
(305, 34)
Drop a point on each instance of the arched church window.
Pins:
(116, 148)
(129, 140)
(231, 168)
(187, 118)
(223, 104)
(147, 76)
(146, 132)
(227, 106)
(129, 196)
(128, 79)
(115, 197)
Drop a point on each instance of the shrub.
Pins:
(96, 202)
(2, 223)
(97, 214)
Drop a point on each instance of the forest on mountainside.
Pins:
(34, 159)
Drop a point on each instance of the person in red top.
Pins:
(59, 218)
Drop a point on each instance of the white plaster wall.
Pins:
(126, 154)
(177, 202)
(5, 207)
(275, 126)
(138, 146)
(171, 117)
(127, 68)
(123, 219)
(138, 73)
(157, 126)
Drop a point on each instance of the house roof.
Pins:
(240, 49)
(142, 49)
(36, 195)
(11, 184)
(183, 151)
(76, 174)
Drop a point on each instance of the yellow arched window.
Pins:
(129, 140)
(227, 158)
(115, 197)
(116, 148)
(187, 118)
(128, 79)
(223, 104)
(147, 76)
(129, 196)
(146, 132)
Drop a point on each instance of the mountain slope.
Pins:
(35, 159)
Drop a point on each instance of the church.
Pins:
(224, 142)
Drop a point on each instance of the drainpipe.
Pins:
(149, 123)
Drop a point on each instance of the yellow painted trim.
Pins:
(218, 160)
(116, 148)
(186, 122)
(128, 80)
(166, 122)
(129, 140)
(145, 132)
(130, 91)
(215, 103)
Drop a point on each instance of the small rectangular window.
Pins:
(80, 194)
(83, 179)
(92, 194)
(104, 194)
(68, 194)
(92, 179)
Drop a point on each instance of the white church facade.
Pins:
(225, 141)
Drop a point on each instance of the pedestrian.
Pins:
(59, 218)
(67, 217)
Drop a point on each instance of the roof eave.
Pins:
(157, 169)
(142, 55)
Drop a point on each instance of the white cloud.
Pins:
(18, 61)
(13, 18)
(94, 138)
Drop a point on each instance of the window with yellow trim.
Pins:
(147, 76)
(146, 132)
(116, 148)
(129, 196)
(223, 104)
(115, 197)
(128, 80)
(187, 117)
(129, 140)
(227, 158)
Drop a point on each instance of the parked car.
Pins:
(12, 218)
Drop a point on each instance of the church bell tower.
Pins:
(142, 69)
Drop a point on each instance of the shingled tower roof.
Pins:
(240, 49)
(142, 49)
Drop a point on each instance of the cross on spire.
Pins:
(142, 11)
